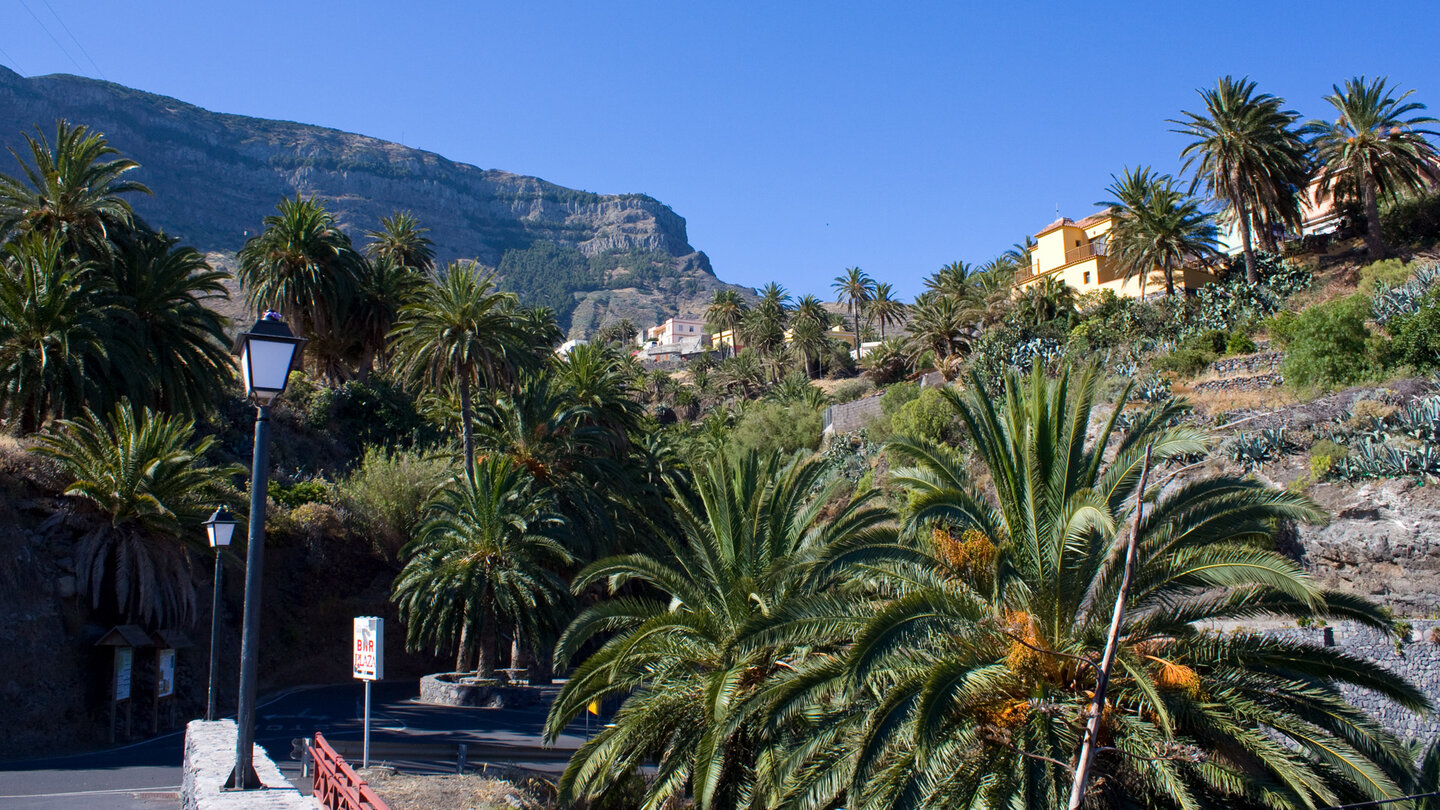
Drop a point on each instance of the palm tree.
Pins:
(600, 385)
(1156, 226)
(401, 242)
(938, 323)
(971, 685)
(385, 288)
(52, 332)
(953, 280)
(810, 340)
(742, 374)
(70, 191)
(1045, 300)
(855, 289)
(688, 651)
(1018, 255)
(726, 311)
(305, 267)
(1249, 155)
(884, 308)
(144, 473)
(622, 331)
(169, 345)
(1372, 150)
(462, 330)
(481, 563)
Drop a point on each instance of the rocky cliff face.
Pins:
(215, 176)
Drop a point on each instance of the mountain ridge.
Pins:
(594, 257)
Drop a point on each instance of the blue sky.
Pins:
(797, 139)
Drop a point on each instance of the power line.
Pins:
(12, 61)
(62, 48)
(71, 34)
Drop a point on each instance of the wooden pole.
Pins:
(1112, 641)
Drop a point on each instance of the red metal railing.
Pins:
(337, 786)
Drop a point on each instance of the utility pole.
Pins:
(1112, 641)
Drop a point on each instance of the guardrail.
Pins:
(337, 786)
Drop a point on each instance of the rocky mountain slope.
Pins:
(593, 257)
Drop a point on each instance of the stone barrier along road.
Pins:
(209, 758)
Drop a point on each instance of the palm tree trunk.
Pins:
(488, 639)
(1252, 274)
(855, 320)
(1374, 240)
(367, 363)
(467, 431)
(463, 656)
(1169, 280)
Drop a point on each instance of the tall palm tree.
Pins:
(169, 345)
(1156, 226)
(688, 651)
(1249, 155)
(53, 332)
(401, 242)
(953, 280)
(1019, 254)
(305, 267)
(1045, 300)
(884, 308)
(481, 563)
(810, 341)
(1373, 150)
(855, 289)
(385, 288)
(69, 191)
(462, 330)
(727, 309)
(971, 685)
(144, 473)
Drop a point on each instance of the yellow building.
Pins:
(1074, 253)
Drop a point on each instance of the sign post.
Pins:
(369, 665)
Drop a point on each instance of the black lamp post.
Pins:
(267, 353)
(220, 528)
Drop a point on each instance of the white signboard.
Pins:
(124, 657)
(369, 648)
(166, 684)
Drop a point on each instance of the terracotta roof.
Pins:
(1056, 224)
(1093, 219)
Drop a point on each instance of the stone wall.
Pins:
(1417, 659)
(851, 416)
(209, 758)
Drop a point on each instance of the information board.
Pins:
(369, 648)
(124, 658)
(166, 685)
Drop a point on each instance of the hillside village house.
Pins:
(674, 330)
(1074, 252)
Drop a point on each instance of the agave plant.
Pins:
(145, 473)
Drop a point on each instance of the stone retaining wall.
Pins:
(1416, 659)
(851, 416)
(209, 759)
(443, 689)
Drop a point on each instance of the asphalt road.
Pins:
(146, 775)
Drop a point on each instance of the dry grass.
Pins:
(1213, 402)
(407, 791)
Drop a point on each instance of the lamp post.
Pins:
(267, 353)
(220, 528)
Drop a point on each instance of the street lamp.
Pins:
(267, 354)
(220, 528)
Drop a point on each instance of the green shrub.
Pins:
(383, 496)
(851, 390)
(1417, 335)
(1330, 346)
(929, 417)
(1387, 273)
(896, 396)
(1211, 340)
(775, 426)
(1281, 326)
(293, 496)
(1324, 455)
(1186, 361)
(1413, 221)
(1239, 343)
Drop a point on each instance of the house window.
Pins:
(1077, 243)
(1087, 276)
